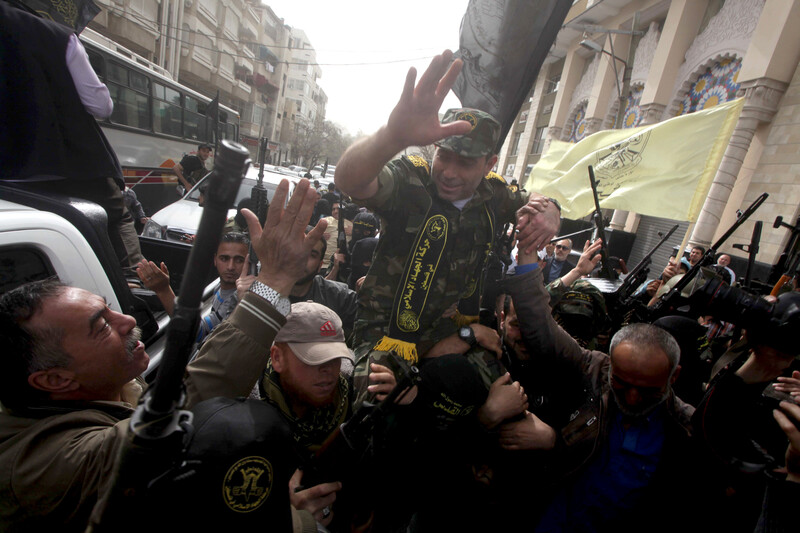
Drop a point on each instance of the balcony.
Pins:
(247, 30)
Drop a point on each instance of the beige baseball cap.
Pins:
(314, 333)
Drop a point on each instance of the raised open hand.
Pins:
(415, 119)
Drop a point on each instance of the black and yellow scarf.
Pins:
(412, 294)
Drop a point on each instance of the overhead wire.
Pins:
(141, 18)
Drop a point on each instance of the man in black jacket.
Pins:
(332, 294)
(559, 264)
(51, 96)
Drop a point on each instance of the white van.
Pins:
(180, 220)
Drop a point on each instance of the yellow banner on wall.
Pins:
(662, 170)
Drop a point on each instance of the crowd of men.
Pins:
(512, 423)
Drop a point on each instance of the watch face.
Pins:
(466, 331)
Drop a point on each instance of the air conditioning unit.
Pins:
(547, 109)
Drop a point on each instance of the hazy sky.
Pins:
(383, 38)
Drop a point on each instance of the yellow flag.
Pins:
(662, 170)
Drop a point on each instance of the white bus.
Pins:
(155, 120)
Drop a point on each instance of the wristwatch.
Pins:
(466, 334)
(558, 205)
(281, 303)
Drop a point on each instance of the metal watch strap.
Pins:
(281, 303)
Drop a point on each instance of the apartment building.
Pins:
(626, 63)
(240, 48)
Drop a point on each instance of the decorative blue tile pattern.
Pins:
(578, 124)
(717, 85)
(633, 113)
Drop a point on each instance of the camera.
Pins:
(769, 324)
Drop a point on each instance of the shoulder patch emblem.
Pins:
(417, 161)
(495, 176)
(247, 484)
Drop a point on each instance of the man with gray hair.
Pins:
(70, 366)
(624, 449)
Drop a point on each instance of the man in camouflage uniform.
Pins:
(438, 221)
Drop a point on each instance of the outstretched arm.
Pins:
(588, 260)
(178, 171)
(234, 356)
(413, 122)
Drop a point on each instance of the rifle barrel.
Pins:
(598, 221)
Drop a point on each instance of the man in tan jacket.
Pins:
(67, 375)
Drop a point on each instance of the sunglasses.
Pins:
(561, 247)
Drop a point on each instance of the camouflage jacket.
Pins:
(404, 198)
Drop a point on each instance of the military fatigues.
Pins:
(405, 195)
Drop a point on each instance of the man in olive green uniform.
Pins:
(439, 221)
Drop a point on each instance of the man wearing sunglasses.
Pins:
(559, 264)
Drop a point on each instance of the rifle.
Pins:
(349, 443)
(157, 427)
(341, 244)
(672, 300)
(639, 273)
(752, 251)
(791, 257)
(258, 195)
(605, 270)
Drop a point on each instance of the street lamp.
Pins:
(594, 47)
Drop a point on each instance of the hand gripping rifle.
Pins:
(338, 456)
(605, 269)
(344, 456)
(673, 299)
(258, 194)
(157, 427)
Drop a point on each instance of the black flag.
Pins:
(503, 44)
(74, 14)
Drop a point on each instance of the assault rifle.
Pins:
(341, 245)
(638, 275)
(348, 445)
(345, 454)
(673, 299)
(258, 195)
(789, 262)
(600, 231)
